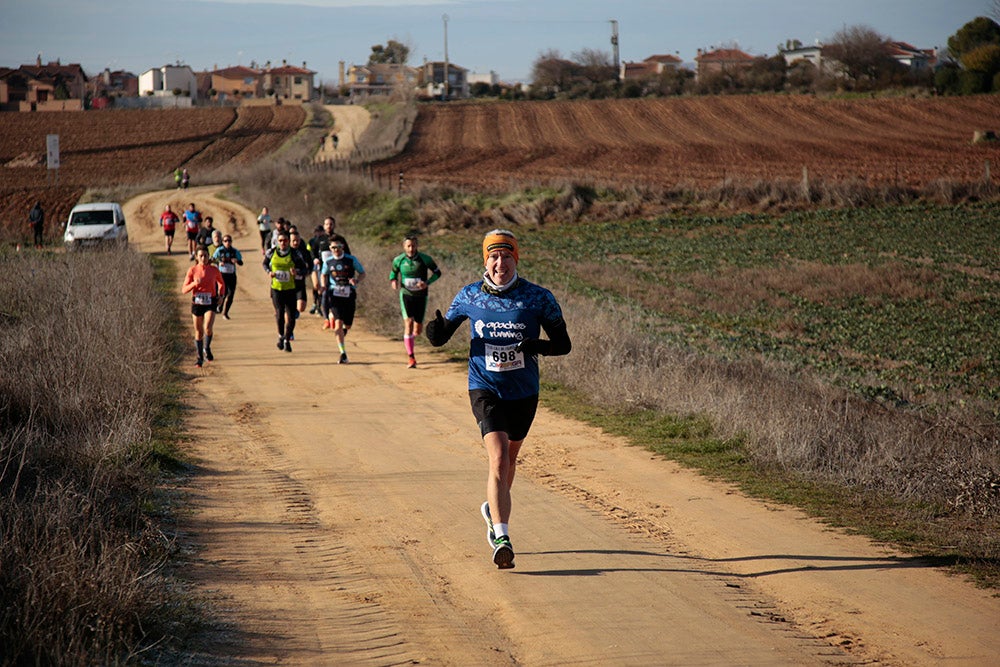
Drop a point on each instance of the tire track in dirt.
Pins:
(265, 494)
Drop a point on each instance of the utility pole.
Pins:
(614, 49)
(445, 88)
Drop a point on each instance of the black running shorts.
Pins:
(199, 310)
(414, 306)
(341, 307)
(513, 417)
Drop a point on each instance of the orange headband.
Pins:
(499, 238)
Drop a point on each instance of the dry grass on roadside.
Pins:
(82, 360)
(940, 470)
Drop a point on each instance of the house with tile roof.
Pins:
(118, 83)
(432, 78)
(909, 56)
(725, 61)
(381, 79)
(43, 86)
(237, 83)
(288, 82)
(652, 66)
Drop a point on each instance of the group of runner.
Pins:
(193, 221)
(211, 281)
(508, 315)
(325, 261)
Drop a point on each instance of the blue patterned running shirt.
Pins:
(498, 322)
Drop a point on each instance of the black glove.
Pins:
(439, 330)
(436, 330)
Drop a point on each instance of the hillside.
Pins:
(701, 141)
(116, 147)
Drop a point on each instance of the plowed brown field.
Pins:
(111, 147)
(701, 141)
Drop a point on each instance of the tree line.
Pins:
(855, 59)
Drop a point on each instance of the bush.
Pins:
(80, 561)
(973, 83)
(946, 80)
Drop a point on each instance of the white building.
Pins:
(811, 54)
(490, 78)
(162, 82)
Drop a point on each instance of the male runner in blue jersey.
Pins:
(507, 315)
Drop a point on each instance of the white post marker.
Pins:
(52, 154)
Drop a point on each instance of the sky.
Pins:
(503, 36)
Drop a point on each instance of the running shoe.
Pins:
(503, 553)
(281, 343)
(198, 362)
(326, 324)
(343, 357)
(411, 363)
(208, 355)
(291, 337)
(226, 315)
(288, 345)
(484, 509)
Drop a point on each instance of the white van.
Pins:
(95, 224)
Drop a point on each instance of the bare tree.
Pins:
(595, 64)
(861, 54)
(553, 72)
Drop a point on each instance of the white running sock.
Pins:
(500, 529)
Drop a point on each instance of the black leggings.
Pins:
(230, 280)
(284, 309)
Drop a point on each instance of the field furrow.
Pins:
(700, 141)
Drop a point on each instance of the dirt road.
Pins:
(337, 522)
(349, 123)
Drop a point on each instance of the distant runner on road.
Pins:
(412, 273)
(507, 315)
(264, 227)
(168, 220)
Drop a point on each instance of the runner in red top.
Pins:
(207, 288)
(168, 220)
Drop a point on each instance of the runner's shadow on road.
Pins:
(812, 563)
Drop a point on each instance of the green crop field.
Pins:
(901, 304)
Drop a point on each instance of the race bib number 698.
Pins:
(503, 358)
